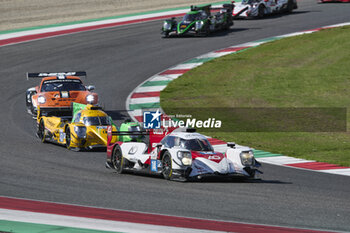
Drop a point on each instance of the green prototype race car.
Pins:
(201, 20)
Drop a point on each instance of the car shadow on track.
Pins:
(226, 32)
(212, 34)
(274, 16)
(239, 180)
(204, 180)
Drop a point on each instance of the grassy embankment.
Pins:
(311, 70)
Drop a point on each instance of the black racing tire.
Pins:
(261, 11)
(227, 26)
(29, 102)
(167, 166)
(31, 111)
(207, 31)
(41, 131)
(290, 6)
(166, 35)
(68, 139)
(117, 159)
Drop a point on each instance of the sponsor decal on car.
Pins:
(154, 165)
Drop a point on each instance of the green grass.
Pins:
(311, 70)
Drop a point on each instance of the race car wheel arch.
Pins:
(117, 159)
(41, 131)
(167, 169)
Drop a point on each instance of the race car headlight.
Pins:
(80, 131)
(41, 100)
(247, 158)
(90, 98)
(199, 25)
(167, 26)
(185, 157)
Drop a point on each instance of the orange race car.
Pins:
(57, 91)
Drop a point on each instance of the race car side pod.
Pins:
(57, 74)
(240, 12)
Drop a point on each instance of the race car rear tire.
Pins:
(41, 131)
(68, 139)
(167, 168)
(118, 159)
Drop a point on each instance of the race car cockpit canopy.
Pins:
(96, 121)
(192, 143)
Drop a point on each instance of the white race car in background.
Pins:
(260, 8)
(180, 156)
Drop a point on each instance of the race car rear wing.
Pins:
(205, 8)
(57, 74)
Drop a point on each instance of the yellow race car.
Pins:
(87, 128)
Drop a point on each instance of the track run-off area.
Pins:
(117, 59)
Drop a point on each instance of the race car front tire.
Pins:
(167, 166)
(41, 131)
(165, 34)
(261, 11)
(118, 159)
(290, 6)
(68, 139)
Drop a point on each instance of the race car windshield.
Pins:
(191, 17)
(96, 121)
(62, 85)
(196, 144)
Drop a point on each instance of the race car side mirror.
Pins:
(159, 145)
(231, 144)
(90, 88)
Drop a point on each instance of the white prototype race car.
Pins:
(180, 156)
(260, 8)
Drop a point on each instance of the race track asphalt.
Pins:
(117, 60)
